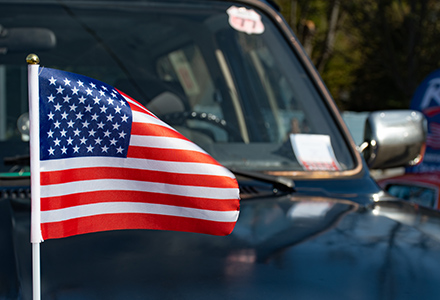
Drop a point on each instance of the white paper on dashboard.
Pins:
(314, 152)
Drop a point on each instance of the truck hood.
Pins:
(282, 247)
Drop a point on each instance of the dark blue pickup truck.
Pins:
(231, 77)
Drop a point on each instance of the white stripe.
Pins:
(164, 143)
(143, 118)
(63, 189)
(134, 207)
(135, 163)
(140, 117)
(137, 104)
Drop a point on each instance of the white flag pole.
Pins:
(34, 135)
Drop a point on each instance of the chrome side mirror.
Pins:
(394, 138)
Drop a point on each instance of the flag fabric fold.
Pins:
(107, 163)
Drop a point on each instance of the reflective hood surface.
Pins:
(286, 247)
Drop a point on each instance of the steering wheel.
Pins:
(179, 119)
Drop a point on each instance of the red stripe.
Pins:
(154, 130)
(133, 221)
(430, 143)
(433, 138)
(72, 175)
(76, 199)
(430, 112)
(138, 107)
(141, 109)
(170, 155)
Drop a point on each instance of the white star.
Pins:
(70, 124)
(80, 83)
(64, 150)
(51, 151)
(124, 118)
(66, 81)
(57, 142)
(73, 107)
(64, 115)
(75, 90)
(88, 91)
(50, 98)
(52, 81)
(86, 124)
(57, 107)
(110, 101)
(90, 148)
(66, 99)
(104, 88)
(101, 93)
(122, 102)
(95, 117)
(81, 99)
(118, 109)
(92, 85)
(57, 124)
(88, 108)
(113, 142)
(76, 149)
(50, 115)
(96, 100)
(110, 118)
(69, 141)
(107, 133)
(120, 149)
(60, 90)
(103, 109)
(83, 140)
(101, 125)
(98, 141)
(92, 132)
(104, 149)
(116, 126)
(122, 135)
(63, 132)
(76, 132)
(50, 133)
(79, 115)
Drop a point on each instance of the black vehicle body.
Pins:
(300, 234)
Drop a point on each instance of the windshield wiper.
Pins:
(22, 160)
(282, 184)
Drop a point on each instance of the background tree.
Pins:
(372, 54)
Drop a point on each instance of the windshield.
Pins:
(220, 73)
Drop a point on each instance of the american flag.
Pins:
(433, 138)
(107, 163)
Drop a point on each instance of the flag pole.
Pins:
(34, 135)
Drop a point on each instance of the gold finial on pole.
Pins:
(32, 59)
